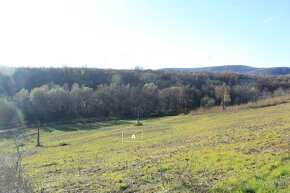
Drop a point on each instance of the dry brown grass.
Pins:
(251, 105)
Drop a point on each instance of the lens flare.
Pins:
(10, 115)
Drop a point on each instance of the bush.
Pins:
(207, 102)
(138, 123)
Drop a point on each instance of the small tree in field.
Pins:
(223, 95)
(226, 100)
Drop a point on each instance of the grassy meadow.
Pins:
(247, 150)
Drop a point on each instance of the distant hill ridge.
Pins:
(239, 69)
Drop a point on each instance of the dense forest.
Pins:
(56, 94)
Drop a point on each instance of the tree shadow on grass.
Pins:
(12, 134)
(8, 135)
(86, 126)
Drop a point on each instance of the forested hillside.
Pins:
(55, 94)
(239, 69)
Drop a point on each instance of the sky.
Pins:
(153, 34)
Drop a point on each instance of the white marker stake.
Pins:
(133, 136)
(122, 136)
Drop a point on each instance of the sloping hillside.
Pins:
(239, 151)
(272, 71)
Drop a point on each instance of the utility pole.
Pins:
(138, 116)
(38, 141)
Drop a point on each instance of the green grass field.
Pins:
(239, 151)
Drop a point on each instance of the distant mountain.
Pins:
(272, 71)
(238, 69)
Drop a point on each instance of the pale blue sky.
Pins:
(149, 33)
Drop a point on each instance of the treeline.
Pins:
(12, 80)
(70, 93)
(53, 102)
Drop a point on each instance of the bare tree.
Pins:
(12, 179)
(222, 93)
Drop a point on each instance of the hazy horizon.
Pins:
(134, 67)
(152, 34)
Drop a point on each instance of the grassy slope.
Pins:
(244, 151)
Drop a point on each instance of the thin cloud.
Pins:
(267, 20)
(272, 18)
